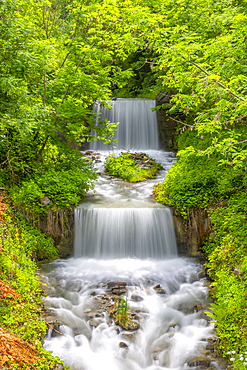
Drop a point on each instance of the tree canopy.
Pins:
(59, 57)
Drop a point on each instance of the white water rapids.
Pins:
(123, 235)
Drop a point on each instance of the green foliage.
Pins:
(195, 181)
(228, 267)
(64, 181)
(37, 244)
(127, 166)
(17, 267)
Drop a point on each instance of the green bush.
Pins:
(64, 188)
(125, 166)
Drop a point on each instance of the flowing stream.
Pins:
(124, 238)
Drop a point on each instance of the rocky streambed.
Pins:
(167, 326)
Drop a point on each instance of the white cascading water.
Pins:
(124, 232)
(137, 124)
(123, 235)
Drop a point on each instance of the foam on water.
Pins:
(165, 325)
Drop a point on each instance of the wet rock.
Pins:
(156, 356)
(130, 337)
(214, 367)
(44, 201)
(213, 339)
(112, 284)
(141, 311)
(110, 320)
(134, 316)
(80, 327)
(123, 345)
(54, 326)
(119, 291)
(199, 361)
(58, 367)
(95, 322)
(201, 275)
(172, 327)
(136, 298)
(157, 287)
(89, 152)
(129, 325)
(210, 347)
(50, 319)
(197, 307)
(73, 286)
(157, 349)
(93, 314)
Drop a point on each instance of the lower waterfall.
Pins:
(124, 232)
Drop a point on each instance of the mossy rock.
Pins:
(132, 167)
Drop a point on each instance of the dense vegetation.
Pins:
(132, 167)
(58, 57)
(20, 294)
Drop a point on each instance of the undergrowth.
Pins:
(64, 187)
(21, 323)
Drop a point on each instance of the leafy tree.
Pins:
(56, 62)
(198, 53)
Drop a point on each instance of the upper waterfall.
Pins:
(137, 124)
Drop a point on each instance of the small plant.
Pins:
(122, 311)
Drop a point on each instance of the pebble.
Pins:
(123, 345)
(136, 298)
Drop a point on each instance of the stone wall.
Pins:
(167, 126)
(192, 233)
(58, 224)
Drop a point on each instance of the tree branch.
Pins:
(219, 83)
(197, 66)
